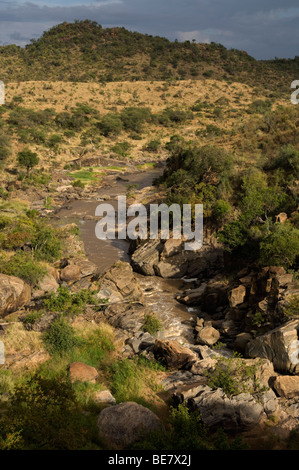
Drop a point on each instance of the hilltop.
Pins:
(83, 51)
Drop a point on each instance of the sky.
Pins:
(264, 28)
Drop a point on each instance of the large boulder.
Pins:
(287, 386)
(14, 294)
(81, 372)
(122, 425)
(207, 336)
(237, 295)
(280, 346)
(120, 283)
(70, 273)
(146, 257)
(173, 354)
(241, 412)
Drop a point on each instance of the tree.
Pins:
(27, 159)
(281, 247)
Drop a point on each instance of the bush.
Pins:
(27, 159)
(151, 324)
(110, 124)
(46, 244)
(292, 307)
(133, 118)
(152, 146)
(44, 415)
(22, 265)
(67, 302)
(60, 338)
(281, 247)
(121, 148)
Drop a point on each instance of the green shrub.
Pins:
(61, 337)
(152, 146)
(27, 159)
(22, 265)
(121, 148)
(133, 118)
(292, 307)
(151, 324)
(46, 244)
(44, 415)
(110, 124)
(281, 247)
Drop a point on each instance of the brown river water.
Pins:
(159, 294)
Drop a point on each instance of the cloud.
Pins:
(264, 28)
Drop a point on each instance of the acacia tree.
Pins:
(27, 159)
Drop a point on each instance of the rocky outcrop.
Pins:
(241, 412)
(119, 283)
(14, 294)
(169, 259)
(122, 425)
(280, 346)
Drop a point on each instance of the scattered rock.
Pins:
(82, 372)
(237, 295)
(173, 354)
(70, 273)
(287, 386)
(241, 412)
(208, 336)
(280, 346)
(14, 294)
(104, 396)
(124, 424)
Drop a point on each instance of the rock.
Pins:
(280, 346)
(201, 367)
(240, 412)
(135, 344)
(146, 256)
(208, 336)
(14, 294)
(287, 386)
(121, 282)
(82, 372)
(237, 295)
(282, 217)
(48, 283)
(241, 341)
(104, 396)
(193, 296)
(172, 247)
(26, 361)
(126, 316)
(70, 273)
(172, 268)
(87, 268)
(122, 425)
(269, 402)
(173, 354)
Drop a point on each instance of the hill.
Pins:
(83, 51)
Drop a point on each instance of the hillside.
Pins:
(83, 51)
